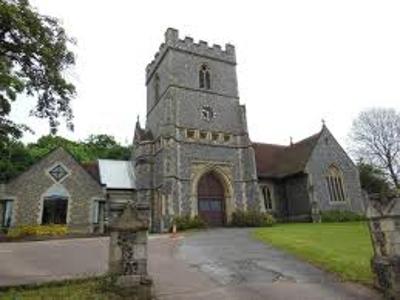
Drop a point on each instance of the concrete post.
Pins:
(128, 249)
(384, 223)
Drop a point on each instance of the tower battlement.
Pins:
(201, 48)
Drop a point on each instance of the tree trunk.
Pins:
(393, 175)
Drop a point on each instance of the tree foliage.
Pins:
(34, 54)
(376, 137)
(105, 146)
(373, 180)
(15, 157)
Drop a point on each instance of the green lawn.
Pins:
(70, 290)
(96, 289)
(342, 248)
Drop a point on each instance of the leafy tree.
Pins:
(33, 56)
(49, 142)
(376, 137)
(80, 150)
(373, 180)
(105, 146)
(101, 140)
(14, 158)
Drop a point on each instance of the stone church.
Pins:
(193, 157)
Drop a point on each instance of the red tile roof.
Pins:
(277, 161)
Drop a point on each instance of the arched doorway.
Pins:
(210, 195)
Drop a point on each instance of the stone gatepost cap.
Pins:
(130, 221)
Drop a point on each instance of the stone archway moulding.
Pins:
(223, 171)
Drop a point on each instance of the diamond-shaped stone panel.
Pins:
(58, 173)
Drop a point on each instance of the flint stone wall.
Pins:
(27, 191)
(384, 224)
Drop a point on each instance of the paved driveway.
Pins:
(214, 264)
(30, 262)
(228, 264)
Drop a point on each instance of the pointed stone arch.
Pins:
(335, 184)
(223, 172)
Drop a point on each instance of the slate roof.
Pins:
(278, 161)
(116, 174)
(93, 169)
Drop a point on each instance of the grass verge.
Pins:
(342, 248)
(95, 288)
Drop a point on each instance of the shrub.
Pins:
(187, 222)
(341, 216)
(252, 219)
(37, 230)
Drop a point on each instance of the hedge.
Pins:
(341, 216)
(252, 218)
(37, 230)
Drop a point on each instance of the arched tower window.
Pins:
(334, 181)
(267, 198)
(204, 77)
(156, 86)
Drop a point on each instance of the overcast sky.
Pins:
(298, 61)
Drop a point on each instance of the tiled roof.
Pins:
(277, 161)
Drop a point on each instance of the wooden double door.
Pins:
(211, 204)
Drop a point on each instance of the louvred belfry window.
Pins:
(204, 77)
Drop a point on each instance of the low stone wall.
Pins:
(384, 224)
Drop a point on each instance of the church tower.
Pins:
(194, 156)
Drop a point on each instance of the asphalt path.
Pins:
(213, 264)
(227, 263)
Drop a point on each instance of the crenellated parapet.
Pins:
(202, 48)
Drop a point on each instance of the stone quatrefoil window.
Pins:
(203, 135)
(204, 77)
(193, 134)
(334, 180)
(58, 173)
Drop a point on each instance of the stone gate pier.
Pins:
(384, 223)
(128, 252)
